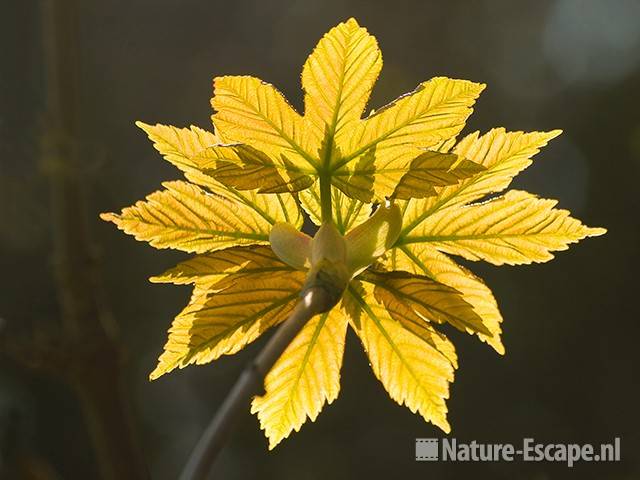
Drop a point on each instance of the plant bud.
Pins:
(328, 244)
(371, 239)
(291, 245)
(329, 263)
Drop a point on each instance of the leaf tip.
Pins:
(147, 128)
(440, 421)
(596, 231)
(273, 443)
(163, 367)
(110, 217)
(498, 347)
(351, 22)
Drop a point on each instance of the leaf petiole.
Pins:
(325, 198)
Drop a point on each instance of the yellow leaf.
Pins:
(253, 112)
(433, 169)
(180, 146)
(245, 168)
(431, 114)
(502, 154)
(305, 377)
(418, 177)
(273, 208)
(233, 313)
(517, 228)
(338, 77)
(186, 218)
(415, 301)
(423, 259)
(357, 181)
(208, 268)
(426, 298)
(435, 111)
(186, 149)
(412, 371)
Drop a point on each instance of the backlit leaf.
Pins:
(233, 313)
(415, 308)
(433, 113)
(306, 376)
(208, 268)
(338, 77)
(357, 181)
(502, 154)
(518, 228)
(180, 146)
(428, 298)
(253, 112)
(413, 372)
(433, 169)
(186, 218)
(418, 177)
(187, 149)
(423, 259)
(245, 168)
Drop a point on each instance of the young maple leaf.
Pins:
(251, 182)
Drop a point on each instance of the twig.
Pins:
(315, 300)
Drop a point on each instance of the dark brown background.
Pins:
(571, 326)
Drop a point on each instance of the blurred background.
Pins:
(81, 327)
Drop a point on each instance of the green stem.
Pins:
(325, 198)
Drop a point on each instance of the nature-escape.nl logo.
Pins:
(452, 450)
